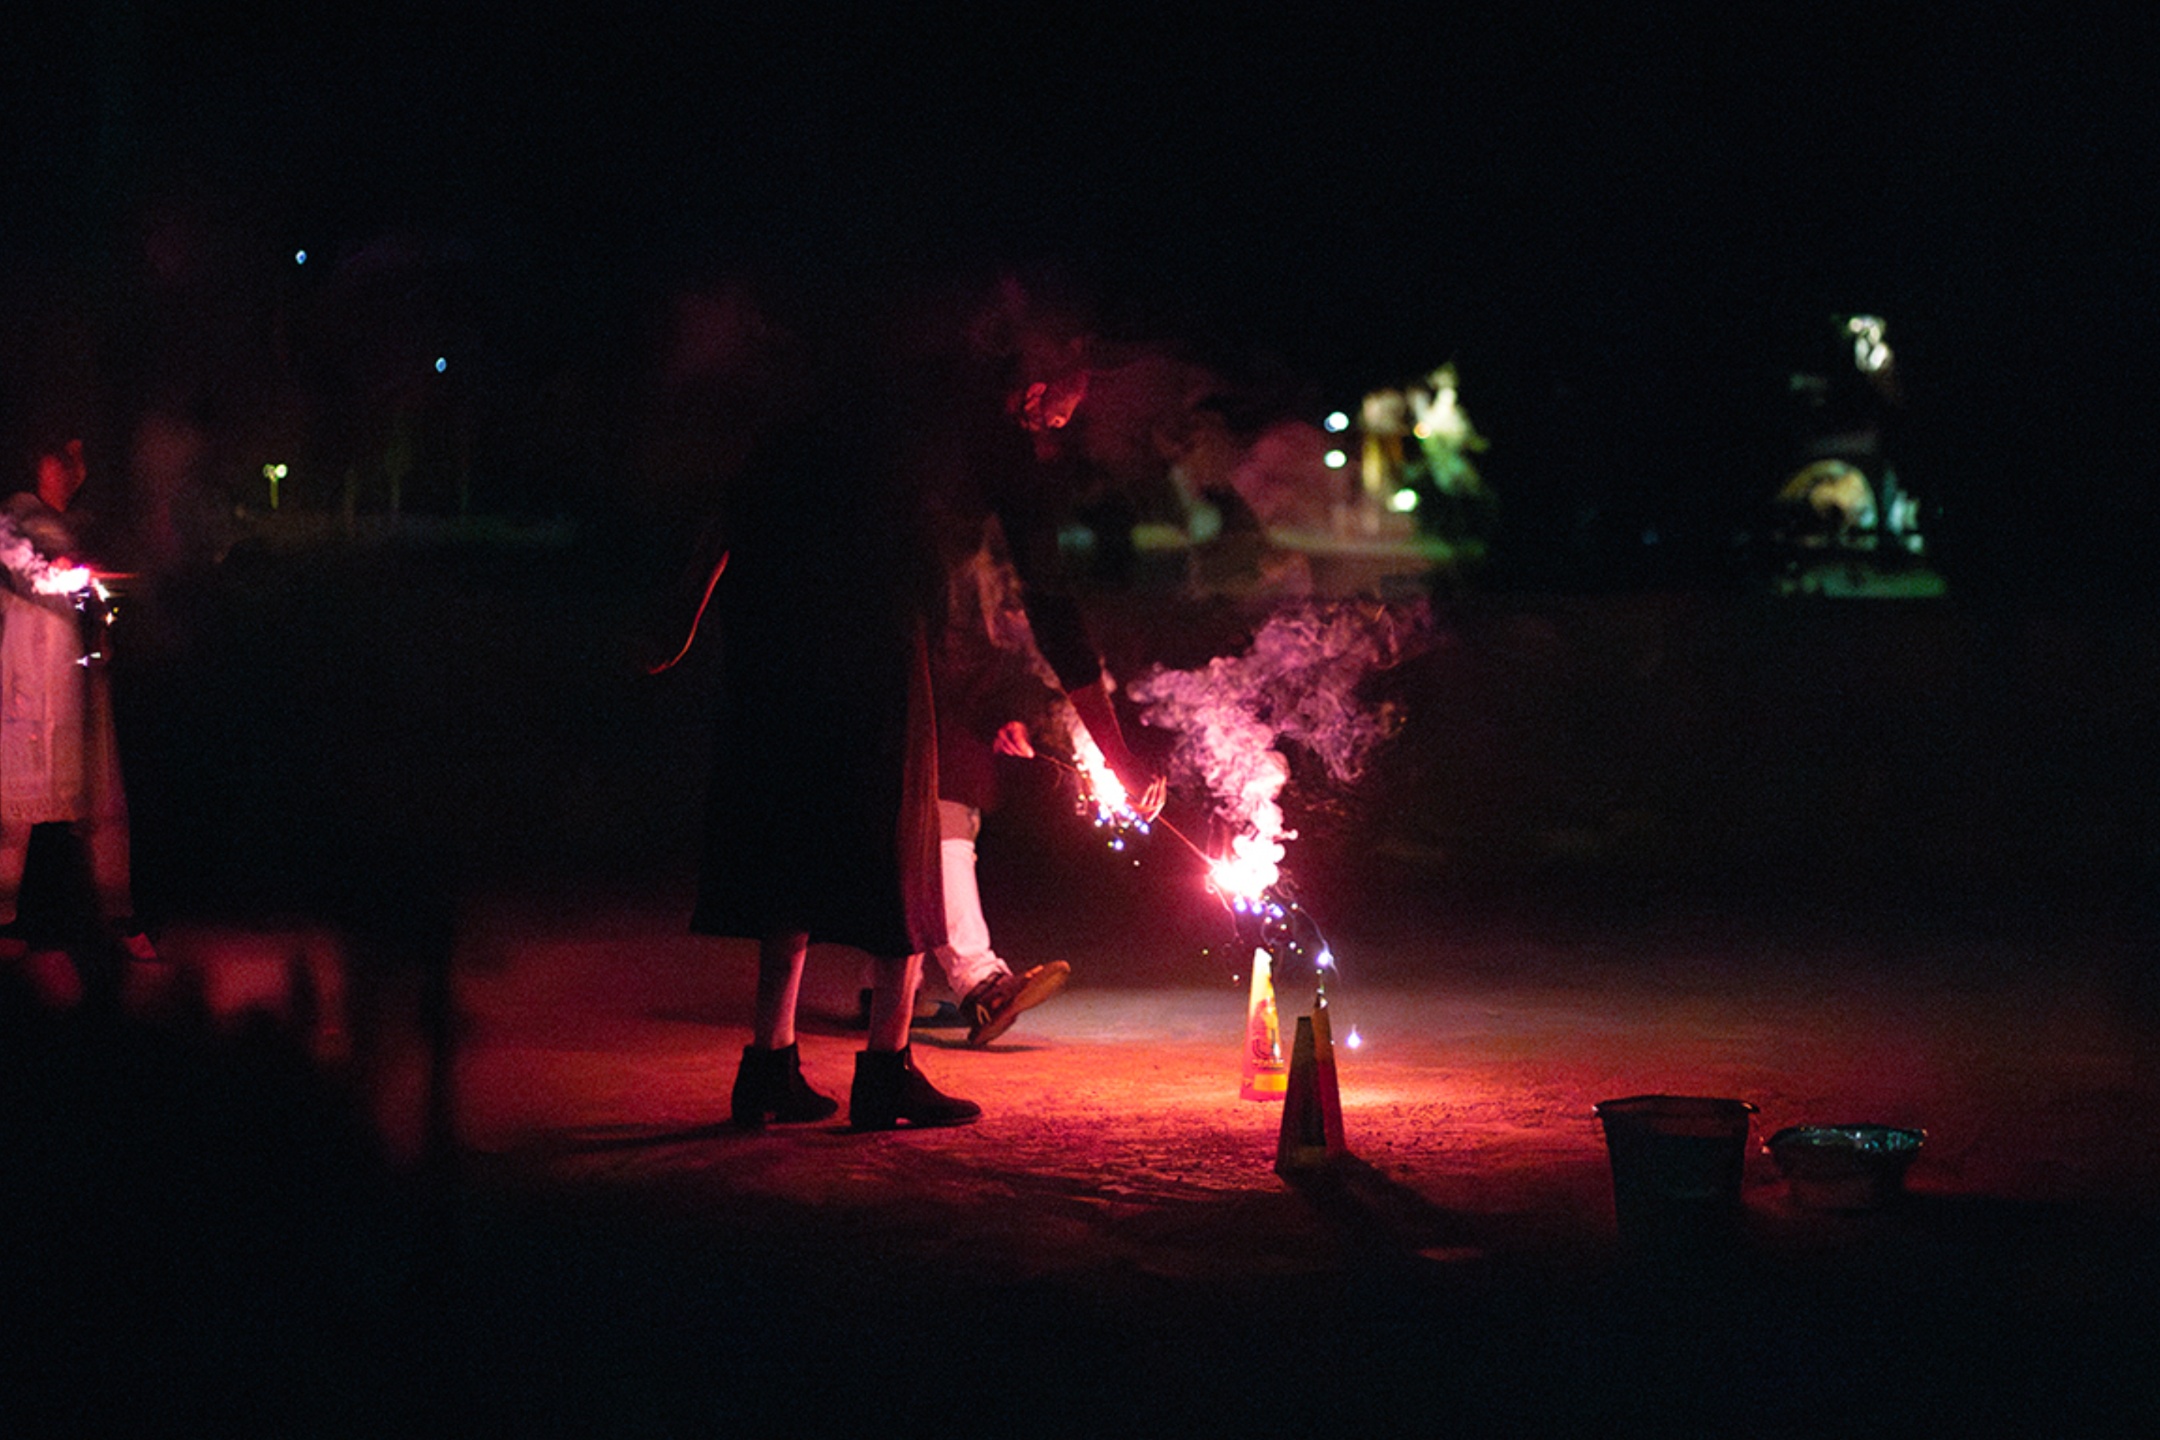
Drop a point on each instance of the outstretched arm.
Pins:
(1146, 791)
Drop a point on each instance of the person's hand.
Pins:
(1012, 739)
(1147, 802)
(1145, 791)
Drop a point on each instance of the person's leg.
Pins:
(892, 1000)
(112, 872)
(931, 1005)
(769, 1085)
(14, 857)
(888, 1089)
(53, 973)
(992, 997)
(106, 839)
(966, 956)
(965, 959)
(779, 984)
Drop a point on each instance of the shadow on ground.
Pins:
(202, 1232)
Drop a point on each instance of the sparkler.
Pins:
(94, 603)
(78, 584)
(43, 577)
(1299, 681)
(1247, 876)
(1102, 792)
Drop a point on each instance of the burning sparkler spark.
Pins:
(64, 580)
(1102, 793)
(1298, 680)
(43, 576)
(1271, 925)
(1243, 875)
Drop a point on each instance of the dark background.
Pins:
(1627, 229)
(1627, 225)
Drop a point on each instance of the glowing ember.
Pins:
(1243, 876)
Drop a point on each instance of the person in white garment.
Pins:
(59, 763)
(993, 690)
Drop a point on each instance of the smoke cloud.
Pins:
(1300, 680)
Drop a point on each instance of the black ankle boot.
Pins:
(769, 1086)
(889, 1091)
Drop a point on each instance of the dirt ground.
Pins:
(1847, 868)
(248, 1228)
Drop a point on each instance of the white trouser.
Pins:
(966, 956)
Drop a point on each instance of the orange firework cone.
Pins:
(1264, 1077)
(1312, 1128)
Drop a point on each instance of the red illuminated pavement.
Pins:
(1111, 1242)
(1473, 1086)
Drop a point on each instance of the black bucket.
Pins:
(1676, 1164)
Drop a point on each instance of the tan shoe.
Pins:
(992, 1006)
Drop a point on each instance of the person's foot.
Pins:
(992, 1006)
(890, 1093)
(135, 944)
(929, 1014)
(769, 1088)
(937, 1015)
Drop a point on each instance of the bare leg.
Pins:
(770, 1087)
(892, 1001)
(106, 838)
(888, 1088)
(779, 982)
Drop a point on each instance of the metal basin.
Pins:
(1844, 1167)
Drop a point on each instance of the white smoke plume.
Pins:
(20, 557)
(1300, 680)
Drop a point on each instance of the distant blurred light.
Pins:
(442, 363)
(1337, 422)
(1403, 501)
(1204, 524)
(1335, 459)
(1870, 351)
(299, 257)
